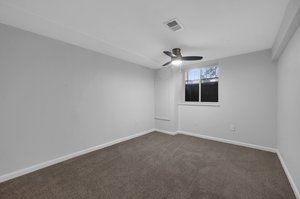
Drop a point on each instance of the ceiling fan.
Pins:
(177, 58)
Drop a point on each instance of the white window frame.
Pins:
(186, 103)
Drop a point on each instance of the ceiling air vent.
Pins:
(174, 25)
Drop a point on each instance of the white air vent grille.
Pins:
(174, 25)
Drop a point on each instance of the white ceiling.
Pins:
(133, 30)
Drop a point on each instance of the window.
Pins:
(203, 84)
(192, 80)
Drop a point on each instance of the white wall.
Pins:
(56, 99)
(289, 107)
(167, 85)
(247, 100)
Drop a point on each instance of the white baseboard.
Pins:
(263, 148)
(289, 176)
(269, 149)
(166, 132)
(67, 157)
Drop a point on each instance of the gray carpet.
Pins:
(159, 166)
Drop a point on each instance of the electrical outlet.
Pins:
(232, 127)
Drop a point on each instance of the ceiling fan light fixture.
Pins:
(176, 62)
(177, 58)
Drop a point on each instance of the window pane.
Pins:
(192, 80)
(210, 72)
(192, 92)
(192, 76)
(209, 90)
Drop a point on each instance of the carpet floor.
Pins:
(158, 166)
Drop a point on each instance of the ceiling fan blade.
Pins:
(192, 58)
(167, 63)
(169, 54)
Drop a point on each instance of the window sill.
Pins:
(214, 104)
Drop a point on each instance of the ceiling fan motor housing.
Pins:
(177, 52)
